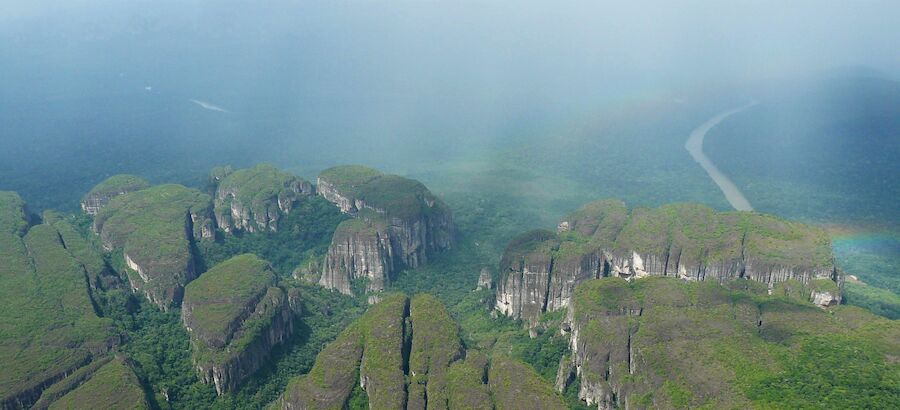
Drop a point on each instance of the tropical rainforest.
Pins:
(426, 205)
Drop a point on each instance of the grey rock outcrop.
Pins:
(255, 199)
(540, 270)
(155, 229)
(236, 314)
(360, 249)
(485, 279)
(402, 224)
(110, 188)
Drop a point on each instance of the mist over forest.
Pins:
(512, 122)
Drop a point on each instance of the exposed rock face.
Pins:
(155, 228)
(112, 187)
(359, 249)
(235, 315)
(255, 199)
(408, 355)
(673, 341)
(404, 223)
(539, 271)
(485, 279)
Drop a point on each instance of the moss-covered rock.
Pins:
(110, 188)
(13, 214)
(660, 342)
(514, 385)
(235, 315)
(108, 383)
(408, 355)
(689, 241)
(255, 199)
(415, 221)
(435, 345)
(49, 326)
(154, 228)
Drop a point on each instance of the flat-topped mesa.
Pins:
(155, 228)
(686, 344)
(110, 188)
(51, 327)
(107, 383)
(235, 314)
(407, 354)
(689, 241)
(404, 224)
(13, 214)
(255, 199)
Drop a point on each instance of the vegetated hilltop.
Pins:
(399, 223)
(110, 188)
(540, 269)
(408, 354)
(52, 335)
(255, 199)
(155, 229)
(658, 342)
(236, 315)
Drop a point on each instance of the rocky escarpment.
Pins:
(108, 382)
(112, 187)
(408, 355)
(235, 314)
(255, 199)
(155, 228)
(50, 325)
(360, 249)
(659, 342)
(403, 222)
(539, 270)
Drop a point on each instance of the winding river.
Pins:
(694, 145)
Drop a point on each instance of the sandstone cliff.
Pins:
(404, 222)
(540, 270)
(660, 342)
(155, 228)
(408, 355)
(255, 199)
(235, 315)
(112, 187)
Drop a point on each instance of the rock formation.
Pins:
(539, 270)
(235, 314)
(108, 382)
(402, 224)
(112, 187)
(51, 327)
(485, 279)
(155, 228)
(660, 342)
(360, 249)
(255, 199)
(408, 355)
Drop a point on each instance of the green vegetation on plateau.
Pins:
(261, 194)
(48, 322)
(671, 343)
(401, 346)
(116, 184)
(396, 196)
(112, 386)
(215, 302)
(153, 227)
